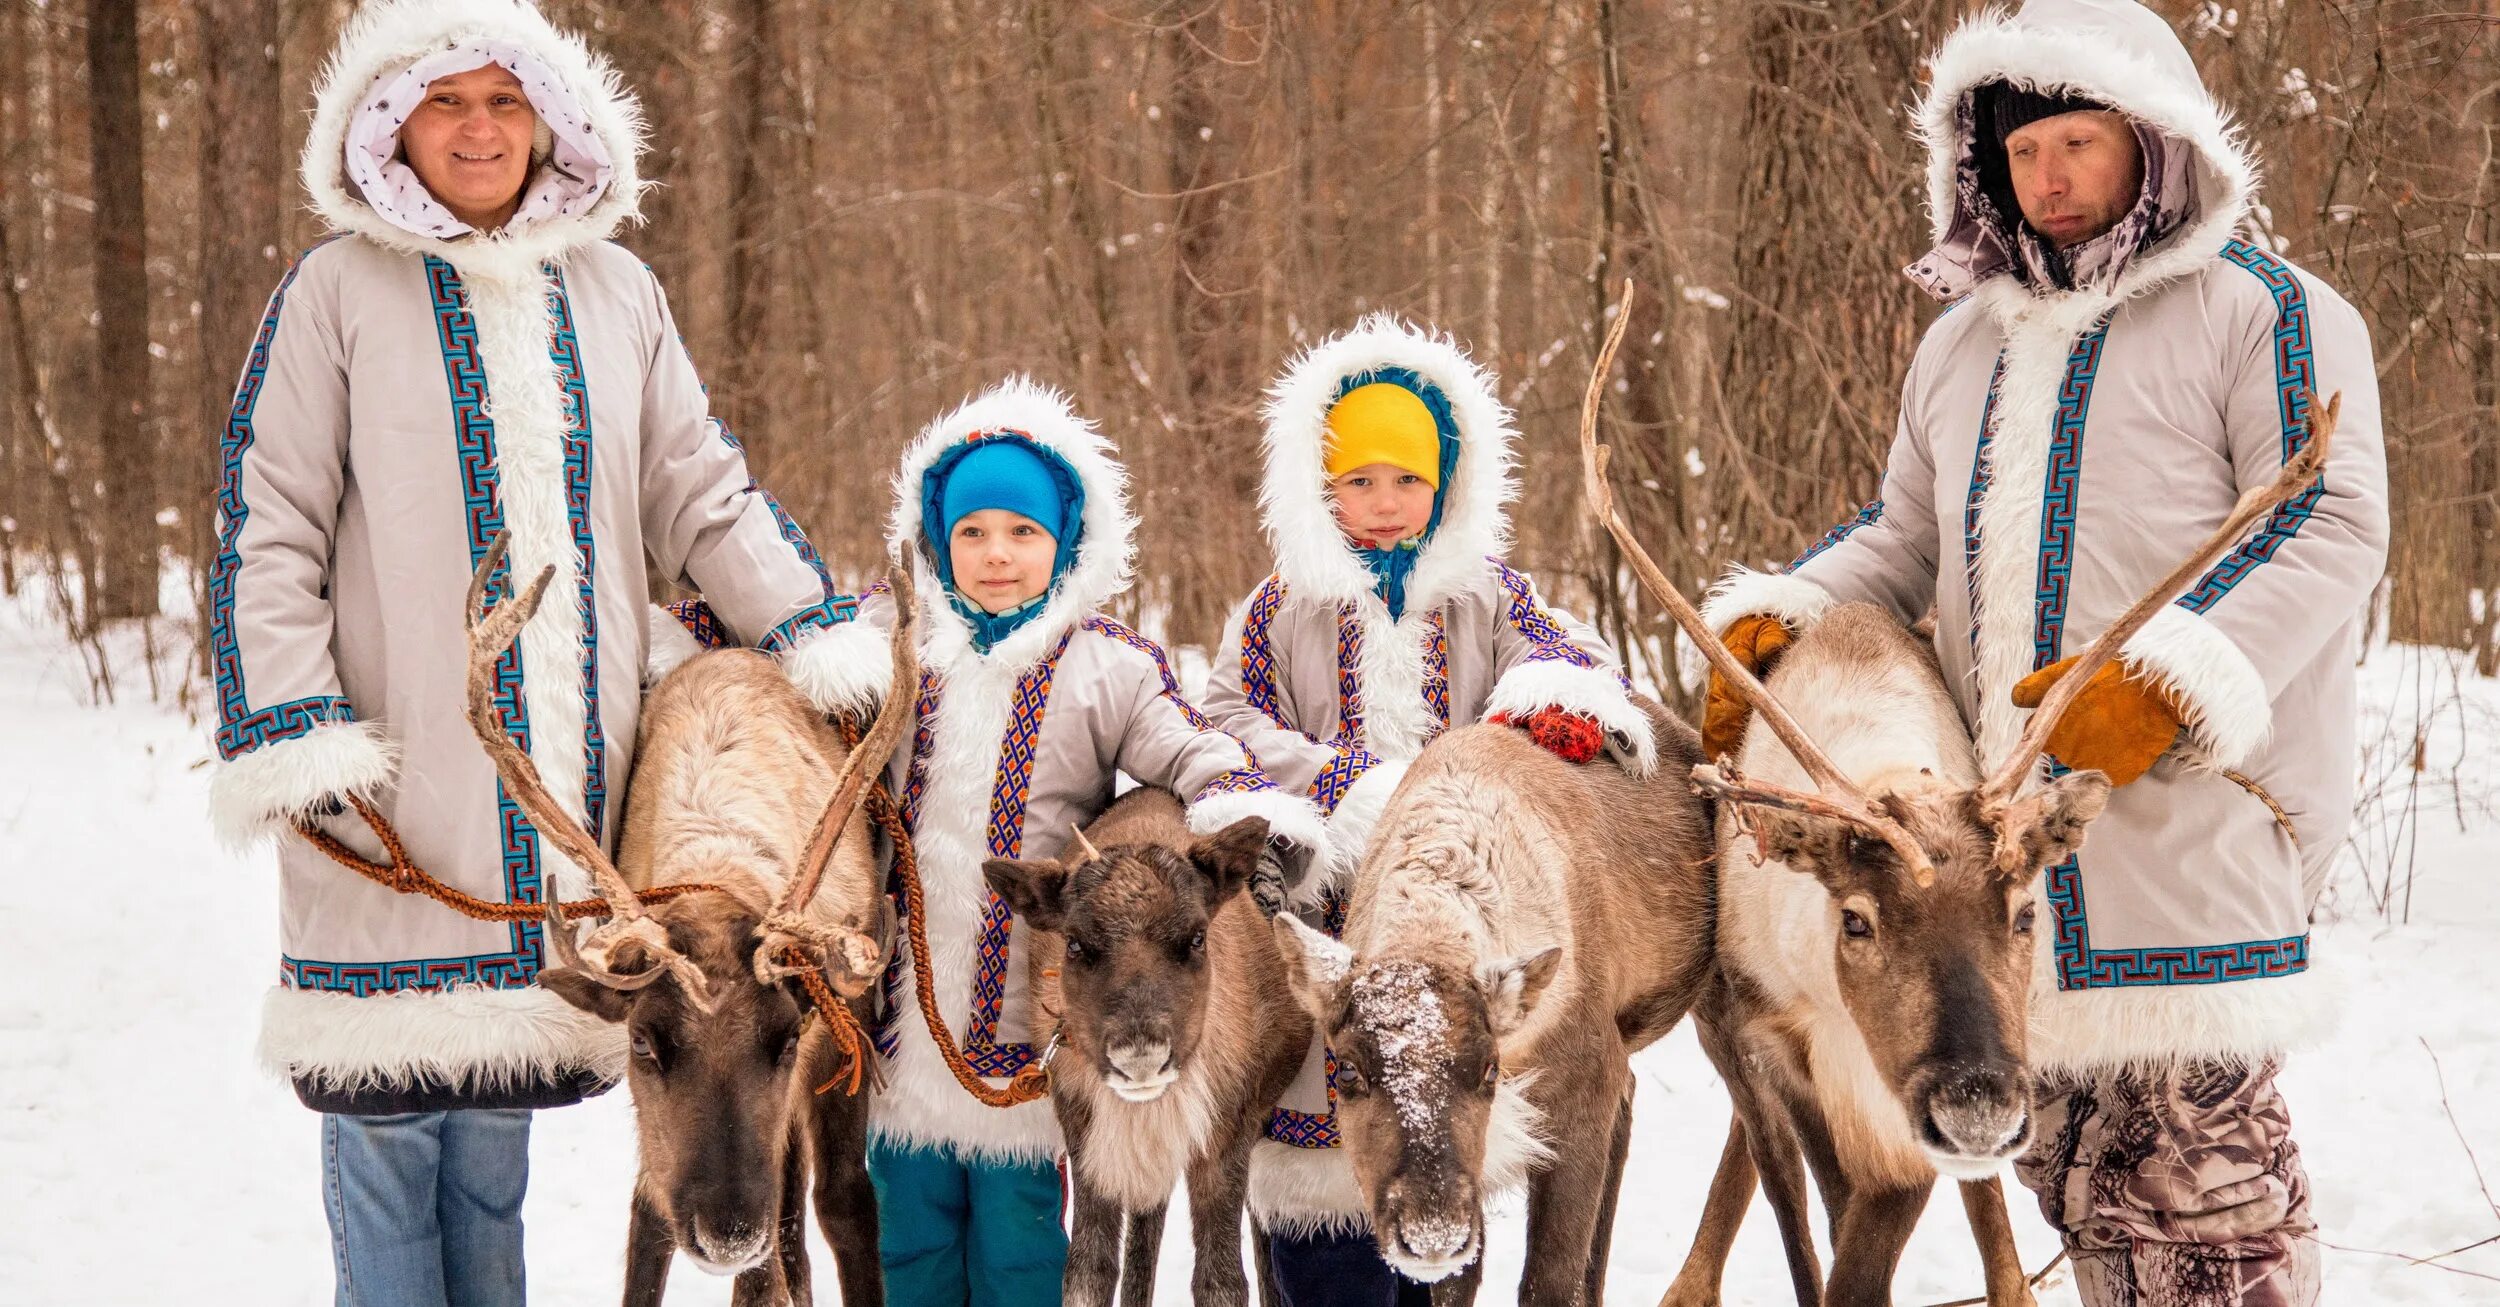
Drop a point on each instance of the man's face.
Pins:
(469, 142)
(2076, 174)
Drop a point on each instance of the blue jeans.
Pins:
(946, 1227)
(425, 1207)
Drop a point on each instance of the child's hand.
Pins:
(1572, 737)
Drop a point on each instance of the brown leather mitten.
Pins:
(2118, 726)
(1756, 639)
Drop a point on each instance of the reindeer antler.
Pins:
(1840, 797)
(788, 927)
(1996, 796)
(491, 633)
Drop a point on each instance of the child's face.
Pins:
(1381, 503)
(1001, 559)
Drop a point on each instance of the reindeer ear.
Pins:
(587, 994)
(1227, 857)
(1817, 846)
(1035, 890)
(2050, 821)
(1513, 985)
(1315, 967)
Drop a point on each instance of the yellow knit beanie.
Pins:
(1383, 423)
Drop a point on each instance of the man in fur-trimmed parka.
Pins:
(469, 354)
(2118, 365)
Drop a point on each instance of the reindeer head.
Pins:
(1938, 975)
(1417, 1048)
(1136, 982)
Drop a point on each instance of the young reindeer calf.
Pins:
(1176, 1036)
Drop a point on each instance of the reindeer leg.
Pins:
(758, 1286)
(1602, 1240)
(1093, 1274)
(1219, 1186)
(1872, 1234)
(790, 1236)
(1460, 1290)
(1565, 1194)
(1983, 1201)
(1780, 1161)
(846, 1199)
(648, 1248)
(1722, 1215)
(1140, 1249)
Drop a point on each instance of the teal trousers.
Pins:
(952, 1233)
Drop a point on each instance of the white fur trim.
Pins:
(844, 668)
(1289, 816)
(1744, 592)
(1350, 829)
(1587, 691)
(2187, 655)
(1304, 1191)
(259, 794)
(668, 646)
(1312, 553)
(2119, 54)
(387, 37)
(2141, 1026)
(467, 1035)
(923, 1105)
(1390, 674)
(1104, 552)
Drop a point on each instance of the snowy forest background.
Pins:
(870, 208)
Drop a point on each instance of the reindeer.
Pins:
(1877, 925)
(1175, 1037)
(742, 788)
(1521, 927)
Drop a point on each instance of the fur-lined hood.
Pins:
(2123, 55)
(1105, 544)
(587, 104)
(1313, 555)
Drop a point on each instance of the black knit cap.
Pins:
(1999, 108)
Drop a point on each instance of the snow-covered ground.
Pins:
(144, 1158)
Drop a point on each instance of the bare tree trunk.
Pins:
(242, 165)
(127, 586)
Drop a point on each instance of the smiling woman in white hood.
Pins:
(471, 354)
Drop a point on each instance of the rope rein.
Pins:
(402, 875)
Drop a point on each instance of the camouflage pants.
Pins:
(2177, 1188)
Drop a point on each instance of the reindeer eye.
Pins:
(1855, 926)
(1198, 942)
(789, 1050)
(2024, 919)
(643, 1047)
(1492, 1073)
(1348, 1081)
(1076, 951)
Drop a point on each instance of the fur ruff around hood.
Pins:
(1313, 555)
(385, 39)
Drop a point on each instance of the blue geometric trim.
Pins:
(1534, 623)
(1982, 475)
(2061, 487)
(240, 727)
(807, 621)
(473, 432)
(1867, 516)
(282, 721)
(363, 979)
(566, 350)
(2295, 379)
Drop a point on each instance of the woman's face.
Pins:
(1001, 559)
(469, 142)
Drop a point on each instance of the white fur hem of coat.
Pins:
(668, 646)
(844, 668)
(2155, 1026)
(261, 793)
(1288, 816)
(1587, 691)
(466, 1035)
(2228, 711)
(1350, 831)
(1744, 592)
(1301, 1191)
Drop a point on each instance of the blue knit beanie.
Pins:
(1006, 474)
